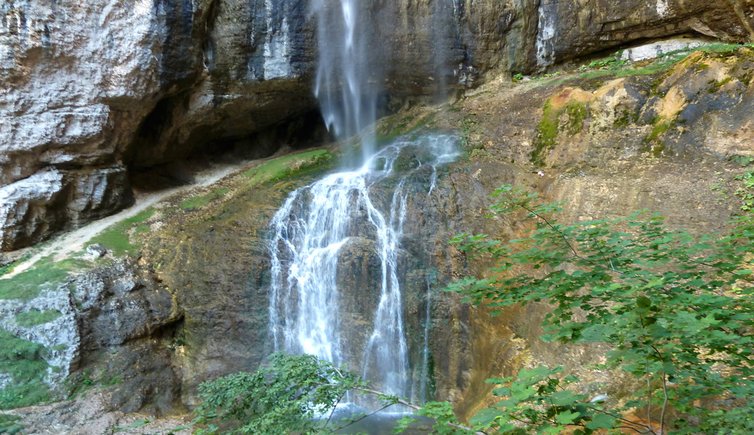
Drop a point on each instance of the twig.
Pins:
(560, 233)
(399, 401)
(363, 417)
(332, 411)
(664, 402)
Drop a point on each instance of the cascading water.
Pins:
(347, 217)
(312, 232)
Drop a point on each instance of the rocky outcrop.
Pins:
(101, 85)
(112, 324)
(671, 142)
(567, 30)
(96, 85)
(53, 200)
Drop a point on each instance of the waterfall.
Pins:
(335, 249)
(547, 14)
(348, 73)
(317, 227)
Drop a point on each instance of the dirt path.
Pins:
(68, 243)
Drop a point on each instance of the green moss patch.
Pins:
(548, 127)
(715, 85)
(653, 141)
(10, 424)
(24, 362)
(201, 201)
(28, 284)
(288, 165)
(31, 318)
(118, 237)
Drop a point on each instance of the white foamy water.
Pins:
(310, 232)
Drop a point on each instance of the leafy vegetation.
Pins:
(286, 166)
(118, 236)
(24, 362)
(299, 394)
(35, 317)
(676, 312)
(284, 396)
(615, 66)
(7, 268)
(746, 192)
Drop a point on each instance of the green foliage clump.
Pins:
(117, 237)
(746, 192)
(444, 420)
(287, 166)
(612, 62)
(7, 268)
(676, 312)
(469, 125)
(614, 66)
(24, 362)
(283, 396)
(36, 317)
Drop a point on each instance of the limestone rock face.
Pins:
(114, 84)
(108, 84)
(52, 200)
(114, 320)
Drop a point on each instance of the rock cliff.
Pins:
(92, 90)
(670, 136)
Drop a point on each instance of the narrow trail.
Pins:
(68, 243)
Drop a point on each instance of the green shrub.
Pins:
(283, 396)
(675, 311)
(10, 424)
